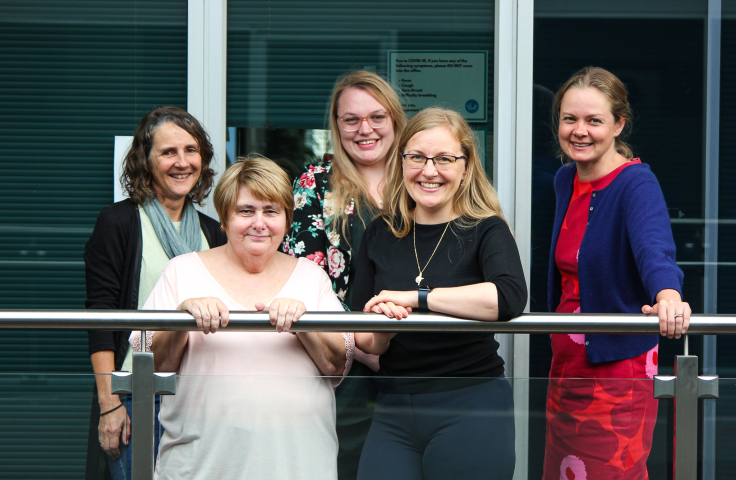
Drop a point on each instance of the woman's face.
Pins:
(176, 162)
(434, 189)
(256, 227)
(366, 146)
(587, 130)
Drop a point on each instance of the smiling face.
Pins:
(366, 146)
(255, 227)
(433, 190)
(587, 130)
(176, 162)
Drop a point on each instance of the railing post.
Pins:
(686, 388)
(143, 384)
(143, 415)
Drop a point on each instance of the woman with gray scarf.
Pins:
(165, 172)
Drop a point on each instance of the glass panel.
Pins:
(726, 358)
(727, 171)
(589, 429)
(725, 427)
(657, 49)
(45, 421)
(73, 75)
(44, 425)
(284, 57)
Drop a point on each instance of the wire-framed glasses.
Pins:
(414, 160)
(351, 123)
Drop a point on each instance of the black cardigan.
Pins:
(112, 260)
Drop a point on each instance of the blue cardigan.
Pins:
(626, 258)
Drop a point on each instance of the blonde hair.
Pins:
(263, 177)
(476, 198)
(346, 182)
(613, 89)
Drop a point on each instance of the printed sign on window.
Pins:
(451, 79)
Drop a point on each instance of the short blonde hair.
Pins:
(476, 198)
(263, 177)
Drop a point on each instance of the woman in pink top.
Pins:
(248, 405)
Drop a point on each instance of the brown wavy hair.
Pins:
(476, 198)
(614, 90)
(346, 182)
(137, 175)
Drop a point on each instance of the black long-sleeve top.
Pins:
(485, 252)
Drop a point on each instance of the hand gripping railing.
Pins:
(686, 386)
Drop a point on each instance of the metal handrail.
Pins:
(355, 322)
(142, 383)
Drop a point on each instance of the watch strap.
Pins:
(423, 292)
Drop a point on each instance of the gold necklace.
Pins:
(421, 270)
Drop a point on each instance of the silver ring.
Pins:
(678, 315)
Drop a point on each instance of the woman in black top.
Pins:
(442, 246)
(166, 170)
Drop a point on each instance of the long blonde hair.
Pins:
(476, 198)
(346, 182)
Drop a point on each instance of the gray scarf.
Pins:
(187, 239)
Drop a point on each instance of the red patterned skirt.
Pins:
(600, 416)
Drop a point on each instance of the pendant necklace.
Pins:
(421, 270)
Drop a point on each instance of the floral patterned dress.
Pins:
(313, 234)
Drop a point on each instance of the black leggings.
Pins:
(465, 433)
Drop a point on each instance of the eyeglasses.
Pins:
(441, 162)
(352, 123)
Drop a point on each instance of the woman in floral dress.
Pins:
(612, 252)
(334, 202)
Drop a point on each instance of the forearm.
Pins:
(103, 363)
(327, 349)
(477, 302)
(373, 343)
(168, 349)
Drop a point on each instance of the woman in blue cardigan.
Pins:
(612, 252)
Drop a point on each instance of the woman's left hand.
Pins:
(393, 304)
(283, 312)
(674, 316)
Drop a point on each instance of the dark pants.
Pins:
(355, 398)
(465, 433)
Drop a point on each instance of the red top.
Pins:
(571, 236)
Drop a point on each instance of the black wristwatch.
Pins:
(423, 292)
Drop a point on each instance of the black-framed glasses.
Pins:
(351, 123)
(414, 160)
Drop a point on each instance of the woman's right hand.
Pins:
(110, 429)
(393, 304)
(209, 312)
